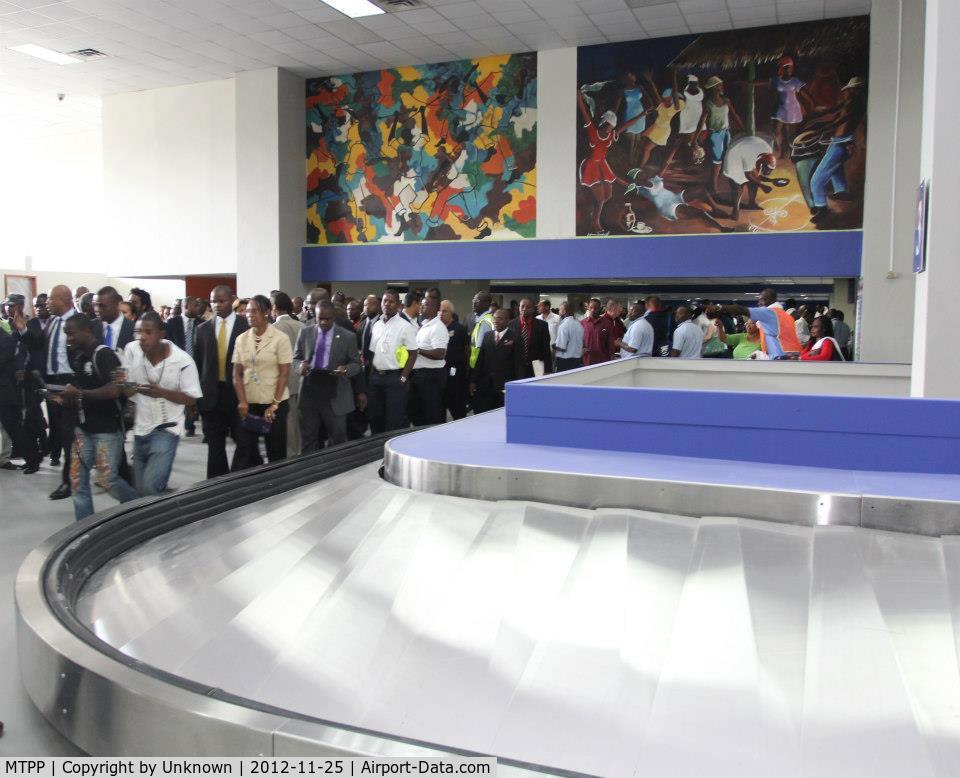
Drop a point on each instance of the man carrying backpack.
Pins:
(98, 436)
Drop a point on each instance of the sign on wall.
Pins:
(758, 130)
(429, 152)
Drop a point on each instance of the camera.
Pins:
(60, 96)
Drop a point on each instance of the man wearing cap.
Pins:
(717, 115)
(829, 172)
(691, 109)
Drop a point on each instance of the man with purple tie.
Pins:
(326, 357)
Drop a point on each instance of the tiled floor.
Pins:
(27, 517)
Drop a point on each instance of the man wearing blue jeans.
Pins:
(98, 436)
(161, 380)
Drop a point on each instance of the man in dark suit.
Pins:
(532, 336)
(327, 358)
(181, 330)
(57, 370)
(456, 392)
(496, 365)
(117, 328)
(10, 397)
(357, 420)
(28, 336)
(213, 353)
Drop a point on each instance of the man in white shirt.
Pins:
(568, 348)
(687, 337)
(638, 341)
(427, 379)
(802, 325)
(161, 380)
(392, 355)
(552, 320)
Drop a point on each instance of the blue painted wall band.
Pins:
(763, 255)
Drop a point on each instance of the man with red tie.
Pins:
(534, 357)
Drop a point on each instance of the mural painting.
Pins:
(429, 152)
(758, 130)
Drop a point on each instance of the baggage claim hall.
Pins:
(433, 378)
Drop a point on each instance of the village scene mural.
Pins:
(430, 152)
(759, 130)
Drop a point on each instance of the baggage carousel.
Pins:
(315, 608)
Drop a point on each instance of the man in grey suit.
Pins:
(326, 357)
(283, 320)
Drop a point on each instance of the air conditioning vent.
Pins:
(87, 53)
(402, 3)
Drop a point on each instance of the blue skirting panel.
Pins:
(857, 433)
(755, 255)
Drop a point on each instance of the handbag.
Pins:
(256, 424)
(714, 346)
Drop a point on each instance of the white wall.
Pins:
(936, 368)
(170, 180)
(51, 198)
(892, 176)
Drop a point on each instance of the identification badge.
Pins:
(453, 371)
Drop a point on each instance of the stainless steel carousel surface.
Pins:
(607, 642)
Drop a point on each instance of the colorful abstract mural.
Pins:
(430, 152)
(757, 130)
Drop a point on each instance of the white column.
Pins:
(893, 162)
(556, 143)
(936, 368)
(271, 183)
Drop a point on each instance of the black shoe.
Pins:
(8, 466)
(54, 461)
(30, 470)
(62, 492)
(191, 433)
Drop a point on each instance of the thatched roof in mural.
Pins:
(735, 48)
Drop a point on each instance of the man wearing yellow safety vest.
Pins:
(483, 323)
(393, 352)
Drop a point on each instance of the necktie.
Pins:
(188, 336)
(108, 336)
(222, 351)
(318, 359)
(55, 348)
(525, 332)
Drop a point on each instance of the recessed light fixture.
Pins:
(49, 55)
(355, 8)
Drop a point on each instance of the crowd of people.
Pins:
(284, 376)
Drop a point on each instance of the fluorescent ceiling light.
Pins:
(355, 8)
(46, 54)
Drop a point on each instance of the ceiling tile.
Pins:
(282, 21)
(602, 6)
(351, 31)
(518, 14)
